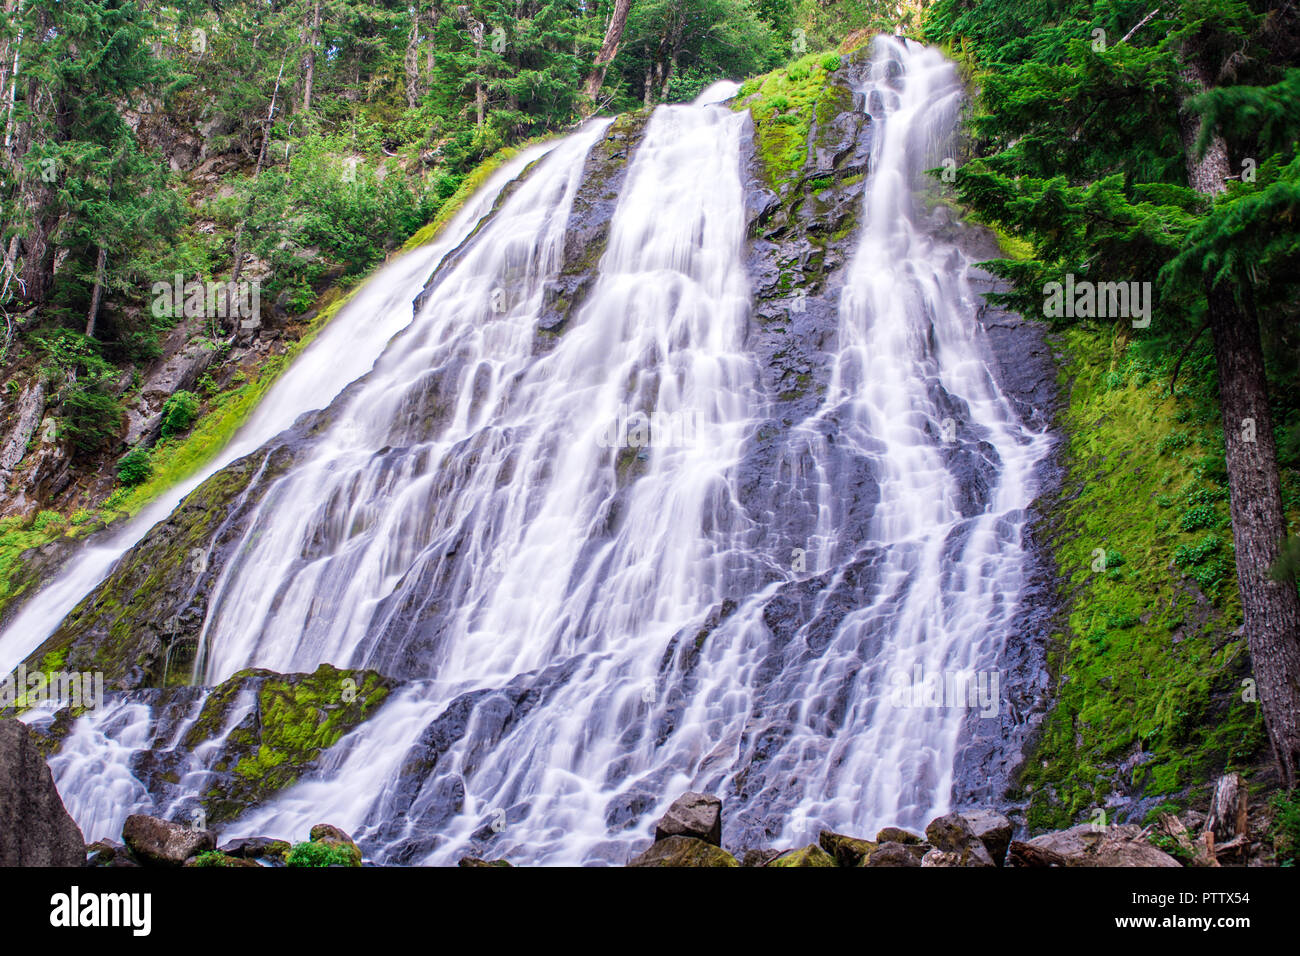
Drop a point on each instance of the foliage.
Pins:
(179, 412)
(134, 467)
(319, 854)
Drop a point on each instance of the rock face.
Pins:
(162, 843)
(695, 815)
(684, 851)
(35, 828)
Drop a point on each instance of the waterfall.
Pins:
(606, 564)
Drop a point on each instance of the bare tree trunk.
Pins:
(309, 61)
(608, 50)
(412, 65)
(101, 266)
(1271, 608)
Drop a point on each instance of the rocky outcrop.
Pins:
(161, 843)
(24, 421)
(1121, 845)
(35, 828)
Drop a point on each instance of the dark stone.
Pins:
(893, 854)
(993, 830)
(694, 815)
(35, 827)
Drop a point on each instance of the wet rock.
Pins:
(810, 855)
(896, 835)
(683, 851)
(846, 850)
(472, 862)
(35, 828)
(955, 843)
(158, 842)
(759, 857)
(695, 815)
(894, 854)
(257, 848)
(993, 830)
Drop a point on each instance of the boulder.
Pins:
(846, 850)
(993, 830)
(331, 836)
(683, 851)
(158, 842)
(257, 848)
(473, 862)
(894, 854)
(35, 827)
(810, 855)
(951, 835)
(1089, 845)
(896, 835)
(759, 857)
(695, 815)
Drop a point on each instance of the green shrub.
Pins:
(320, 854)
(831, 62)
(135, 467)
(1173, 440)
(798, 73)
(91, 416)
(1286, 828)
(178, 413)
(779, 103)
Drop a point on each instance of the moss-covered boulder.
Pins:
(810, 855)
(684, 851)
(845, 850)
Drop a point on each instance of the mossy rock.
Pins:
(810, 855)
(294, 719)
(684, 851)
(845, 850)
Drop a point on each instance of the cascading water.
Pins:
(560, 544)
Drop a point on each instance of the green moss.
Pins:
(324, 853)
(295, 719)
(783, 104)
(1146, 662)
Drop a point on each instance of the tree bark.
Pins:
(101, 266)
(238, 266)
(608, 50)
(309, 60)
(412, 64)
(1271, 608)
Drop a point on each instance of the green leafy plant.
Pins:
(320, 854)
(135, 467)
(178, 413)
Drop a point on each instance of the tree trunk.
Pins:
(412, 64)
(101, 265)
(608, 50)
(309, 61)
(1271, 609)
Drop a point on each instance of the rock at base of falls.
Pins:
(35, 828)
(162, 843)
(684, 851)
(695, 815)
